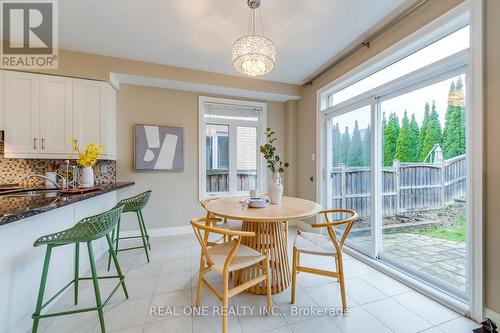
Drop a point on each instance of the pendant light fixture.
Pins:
(254, 54)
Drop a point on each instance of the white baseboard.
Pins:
(161, 232)
(495, 316)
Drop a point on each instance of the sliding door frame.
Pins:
(329, 114)
(470, 12)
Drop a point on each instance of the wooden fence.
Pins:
(217, 180)
(405, 186)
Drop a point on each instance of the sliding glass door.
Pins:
(424, 182)
(394, 145)
(399, 160)
(349, 173)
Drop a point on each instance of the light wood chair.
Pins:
(226, 224)
(226, 258)
(323, 245)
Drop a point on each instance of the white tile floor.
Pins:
(377, 302)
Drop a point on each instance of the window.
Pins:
(231, 132)
(446, 46)
(394, 150)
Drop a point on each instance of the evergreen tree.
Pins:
(336, 145)
(423, 130)
(391, 134)
(454, 128)
(407, 144)
(355, 156)
(417, 146)
(345, 142)
(433, 133)
(366, 146)
(384, 122)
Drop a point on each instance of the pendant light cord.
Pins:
(253, 21)
(261, 22)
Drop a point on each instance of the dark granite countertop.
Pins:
(15, 207)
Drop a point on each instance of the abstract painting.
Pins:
(159, 148)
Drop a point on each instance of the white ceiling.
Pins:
(199, 34)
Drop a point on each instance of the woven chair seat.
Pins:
(314, 243)
(245, 256)
(87, 229)
(135, 203)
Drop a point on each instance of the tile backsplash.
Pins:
(13, 170)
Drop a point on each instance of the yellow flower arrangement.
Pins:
(89, 156)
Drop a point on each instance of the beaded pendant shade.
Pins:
(254, 54)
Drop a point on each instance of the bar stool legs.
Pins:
(41, 290)
(118, 268)
(144, 227)
(95, 280)
(96, 286)
(135, 205)
(146, 244)
(145, 241)
(77, 268)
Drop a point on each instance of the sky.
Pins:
(413, 102)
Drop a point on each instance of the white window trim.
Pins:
(261, 138)
(442, 26)
(471, 12)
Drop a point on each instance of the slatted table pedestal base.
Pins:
(271, 234)
(271, 238)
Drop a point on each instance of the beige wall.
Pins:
(175, 197)
(91, 66)
(175, 194)
(492, 173)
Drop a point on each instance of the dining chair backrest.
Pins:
(331, 225)
(202, 228)
(204, 205)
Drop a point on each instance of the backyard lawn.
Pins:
(454, 229)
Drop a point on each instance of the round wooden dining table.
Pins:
(270, 225)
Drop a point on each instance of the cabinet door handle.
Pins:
(34, 143)
(43, 143)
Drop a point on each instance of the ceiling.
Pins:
(199, 34)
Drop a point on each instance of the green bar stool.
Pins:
(87, 230)
(135, 205)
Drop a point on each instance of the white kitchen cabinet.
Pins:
(56, 115)
(43, 113)
(108, 121)
(22, 104)
(2, 102)
(94, 115)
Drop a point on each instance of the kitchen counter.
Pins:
(14, 207)
(24, 219)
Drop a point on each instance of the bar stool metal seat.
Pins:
(85, 231)
(135, 205)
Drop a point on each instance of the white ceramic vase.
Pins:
(87, 176)
(276, 189)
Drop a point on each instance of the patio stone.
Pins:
(442, 259)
